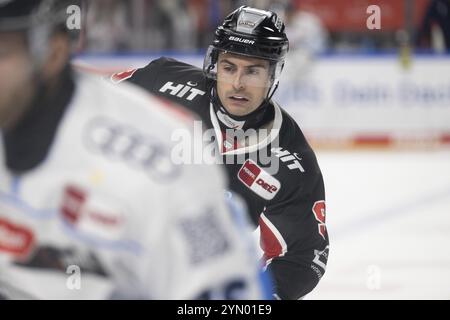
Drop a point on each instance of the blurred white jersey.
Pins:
(108, 214)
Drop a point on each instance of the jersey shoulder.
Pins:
(298, 166)
(166, 69)
(175, 81)
(177, 67)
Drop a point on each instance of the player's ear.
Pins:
(58, 55)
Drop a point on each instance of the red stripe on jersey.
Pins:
(15, 239)
(121, 76)
(269, 242)
(232, 144)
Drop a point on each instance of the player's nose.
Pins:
(238, 82)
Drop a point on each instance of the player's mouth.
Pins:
(238, 99)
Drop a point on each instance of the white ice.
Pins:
(388, 219)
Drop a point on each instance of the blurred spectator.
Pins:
(188, 25)
(306, 32)
(198, 9)
(163, 25)
(307, 35)
(180, 31)
(107, 25)
(435, 29)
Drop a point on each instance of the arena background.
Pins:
(374, 103)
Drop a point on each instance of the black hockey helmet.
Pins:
(251, 32)
(37, 18)
(17, 15)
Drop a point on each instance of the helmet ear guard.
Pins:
(210, 62)
(275, 80)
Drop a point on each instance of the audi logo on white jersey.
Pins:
(124, 143)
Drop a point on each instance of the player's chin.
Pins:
(239, 109)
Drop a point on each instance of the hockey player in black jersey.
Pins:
(91, 206)
(284, 189)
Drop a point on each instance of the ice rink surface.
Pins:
(388, 219)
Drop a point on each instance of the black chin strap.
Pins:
(256, 119)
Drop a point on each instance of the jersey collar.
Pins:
(269, 138)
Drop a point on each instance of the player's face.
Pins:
(242, 82)
(16, 85)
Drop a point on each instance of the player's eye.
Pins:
(253, 71)
(228, 68)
